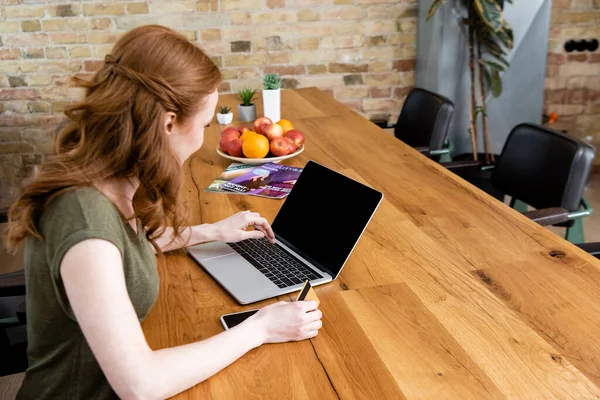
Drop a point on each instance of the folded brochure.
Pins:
(269, 180)
(233, 171)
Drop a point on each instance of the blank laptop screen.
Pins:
(325, 215)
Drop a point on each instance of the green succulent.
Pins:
(271, 82)
(246, 96)
(224, 110)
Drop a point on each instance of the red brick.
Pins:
(92, 65)
(404, 65)
(353, 105)
(27, 40)
(380, 92)
(401, 93)
(275, 3)
(577, 57)
(286, 70)
(552, 70)
(19, 94)
(556, 96)
(595, 58)
(577, 96)
(556, 59)
(30, 119)
(10, 54)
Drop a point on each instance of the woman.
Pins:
(89, 218)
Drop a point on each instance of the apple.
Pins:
(244, 129)
(272, 131)
(280, 147)
(260, 122)
(296, 136)
(234, 148)
(293, 147)
(225, 139)
(230, 131)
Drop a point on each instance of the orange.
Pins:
(256, 146)
(247, 134)
(286, 125)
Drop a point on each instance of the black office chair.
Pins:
(13, 338)
(423, 123)
(545, 169)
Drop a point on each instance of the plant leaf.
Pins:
(487, 77)
(492, 47)
(495, 83)
(434, 6)
(491, 64)
(505, 35)
(503, 61)
(489, 12)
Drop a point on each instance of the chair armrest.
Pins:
(3, 214)
(12, 284)
(591, 248)
(548, 216)
(457, 166)
(422, 150)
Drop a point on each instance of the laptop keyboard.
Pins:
(272, 261)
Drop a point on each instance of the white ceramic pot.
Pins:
(272, 104)
(225, 119)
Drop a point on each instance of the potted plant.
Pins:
(489, 39)
(225, 116)
(247, 110)
(272, 97)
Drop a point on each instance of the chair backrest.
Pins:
(543, 168)
(424, 119)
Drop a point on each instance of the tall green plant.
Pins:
(490, 37)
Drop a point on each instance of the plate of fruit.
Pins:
(261, 143)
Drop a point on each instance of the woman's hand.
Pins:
(233, 229)
(285, 321)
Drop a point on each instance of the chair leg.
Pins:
(519, 205)
(575, 233)
(448, 156)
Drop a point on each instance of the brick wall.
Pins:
(361, 51)
(573, 79)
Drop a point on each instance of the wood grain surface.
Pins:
(449, 294)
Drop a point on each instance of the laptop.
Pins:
(316, 229)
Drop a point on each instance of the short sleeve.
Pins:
(71, 218)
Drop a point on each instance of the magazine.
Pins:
(234, 170)
(271, 180)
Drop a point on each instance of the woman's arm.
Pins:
(190, 235)
(92, 273)
(230, 229)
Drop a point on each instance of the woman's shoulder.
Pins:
(82, 206)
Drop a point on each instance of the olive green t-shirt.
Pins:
(61, 364)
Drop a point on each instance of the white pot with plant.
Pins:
(247, 110)
(272, 97)
(225, 116)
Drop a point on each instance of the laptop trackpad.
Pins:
(239, 277)
(210, 250)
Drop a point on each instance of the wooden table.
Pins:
(449, 293)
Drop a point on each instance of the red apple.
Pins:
(296, 136)
(293, 147)
(244, 129)
(272, 131)
(260, 122)
(224, 142)
(230, 131)
(234, 148)
(280, 147)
